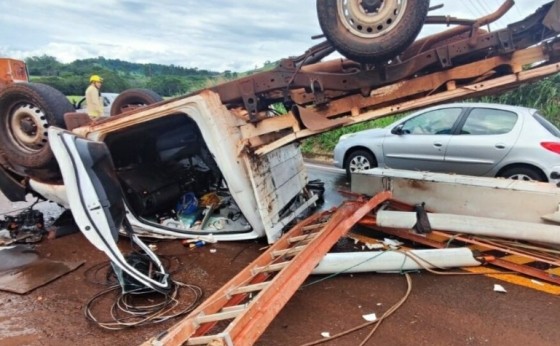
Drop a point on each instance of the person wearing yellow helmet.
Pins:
(94, 102)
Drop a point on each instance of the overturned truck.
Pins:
(221, 163)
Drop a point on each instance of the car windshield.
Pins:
(547, 124)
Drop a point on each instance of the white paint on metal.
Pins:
(463, 195)
(466, 224)
(393, 261)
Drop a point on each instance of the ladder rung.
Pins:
(234, 307)
(249, 288)
(224, 315)
(315, 226)
(301, 238)
(207, 339)
(270, 268)
(290, 251)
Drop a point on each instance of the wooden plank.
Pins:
(249, 288)
(301, 238)
(269, 125)
(462, 92)
(220, 316)
(270, 268)
(288, 252)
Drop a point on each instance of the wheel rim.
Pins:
(27, 126)
(359, 163)
(523, 177)
(370, 18)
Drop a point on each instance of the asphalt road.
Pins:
(440, 309)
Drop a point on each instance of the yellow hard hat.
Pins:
(95, 78)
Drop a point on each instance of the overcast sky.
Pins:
(217, 35)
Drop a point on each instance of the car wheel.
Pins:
(134, 98)
(26, 112)
(359, 160)
(371, 31)
(523, 173)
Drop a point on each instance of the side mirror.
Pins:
(398, 130)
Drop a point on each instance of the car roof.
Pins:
(110, 95)
(483, 105)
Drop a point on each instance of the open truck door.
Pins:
(97, 203)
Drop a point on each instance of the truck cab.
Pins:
(164, 156)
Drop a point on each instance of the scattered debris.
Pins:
(28, 226)
(370, 317)
(392, 243)
(325, 334)
(499, 288)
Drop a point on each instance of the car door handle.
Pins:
(500, 146)
(437, 144)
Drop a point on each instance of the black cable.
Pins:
(133, 310)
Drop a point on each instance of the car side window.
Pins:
(488, 121)
(436, 122)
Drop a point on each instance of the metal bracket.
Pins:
(250, 101)
(506, 41)
(422, 225)
(443, 56)
(318, 92)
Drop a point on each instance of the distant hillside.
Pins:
(118, 75)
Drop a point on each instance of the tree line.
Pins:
(118, 75)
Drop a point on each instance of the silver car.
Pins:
(479, 139)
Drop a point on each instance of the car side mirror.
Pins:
(398, 130)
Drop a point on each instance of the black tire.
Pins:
(525, 173)
(26, 112)
(133, 98)
(371, 38)
(359, 160)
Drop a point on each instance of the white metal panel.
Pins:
(277, 178)
(463, 195)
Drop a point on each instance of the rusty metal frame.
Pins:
(256, 92)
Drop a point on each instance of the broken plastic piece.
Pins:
(392, 243)
(199, 243)
(326, 334)
(370, 317)
(499, 288)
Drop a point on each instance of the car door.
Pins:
(420, 142)
(485, 137)
(96, 201)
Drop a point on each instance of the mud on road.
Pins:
(441, 310)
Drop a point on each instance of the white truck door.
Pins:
(95, 199)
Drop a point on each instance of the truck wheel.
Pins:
(371, 31)
(26, 112)
(133, 98)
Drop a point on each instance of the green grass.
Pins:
(74, 98)
(324, 143)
